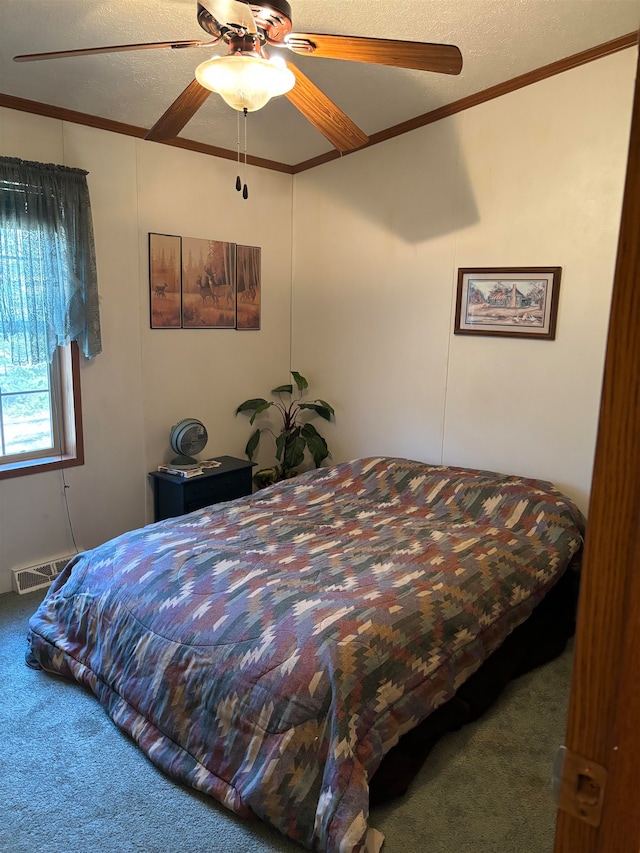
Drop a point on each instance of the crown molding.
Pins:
(535, 76)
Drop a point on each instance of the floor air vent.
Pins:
(32, 578)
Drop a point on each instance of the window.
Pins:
(27, 422)
(48, 305)
(40, 414)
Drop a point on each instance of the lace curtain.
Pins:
(48, 280)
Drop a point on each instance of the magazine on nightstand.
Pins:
(204, 465)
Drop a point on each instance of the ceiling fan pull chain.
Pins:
(245, 189)
(238, 181)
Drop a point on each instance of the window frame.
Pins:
(72, 439)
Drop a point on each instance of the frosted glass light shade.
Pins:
(245, 82)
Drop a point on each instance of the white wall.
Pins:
(534, 178)
(145, 380)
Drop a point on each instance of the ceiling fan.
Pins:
(247, 29)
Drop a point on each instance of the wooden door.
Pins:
(604, 710)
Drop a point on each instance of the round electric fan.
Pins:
(187, 437)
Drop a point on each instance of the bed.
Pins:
(271, 651)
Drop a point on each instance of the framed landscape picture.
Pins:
(164, 281)
(208, 284)
(513, 302)
(248, 287)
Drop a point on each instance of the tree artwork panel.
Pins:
(249, 289)
(164, 281)
(208, 284)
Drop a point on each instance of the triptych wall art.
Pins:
(203, 284)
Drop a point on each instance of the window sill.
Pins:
(37, 466)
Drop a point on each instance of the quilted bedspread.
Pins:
(268, 651)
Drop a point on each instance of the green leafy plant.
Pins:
(295, 436)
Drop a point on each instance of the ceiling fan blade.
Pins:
(185, 106)
(323, 114)
(116, 48)
(442, 58)
(230, 12)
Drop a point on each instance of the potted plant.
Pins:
(295, 436)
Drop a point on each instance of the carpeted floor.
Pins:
(73, 783)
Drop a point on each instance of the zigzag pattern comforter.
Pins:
(269, 651)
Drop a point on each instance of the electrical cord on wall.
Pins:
(66, 486)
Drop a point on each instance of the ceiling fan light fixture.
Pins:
(245, 82)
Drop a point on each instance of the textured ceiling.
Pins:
(499, 40)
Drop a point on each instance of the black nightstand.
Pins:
(174, 495)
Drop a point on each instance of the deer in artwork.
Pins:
(160, 290)
(210, 289)
(206, 291)
(249, 293)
